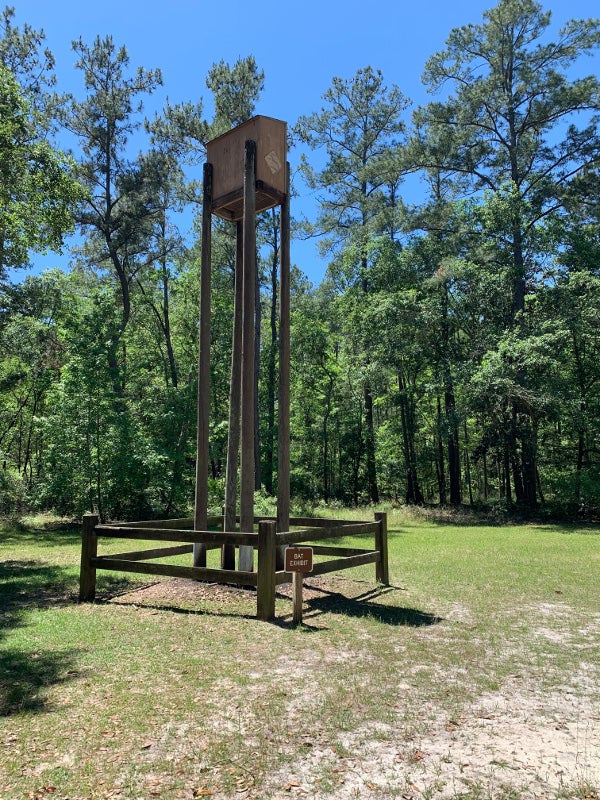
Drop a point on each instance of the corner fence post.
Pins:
(382, 573)
(265, 594)
(89, 550)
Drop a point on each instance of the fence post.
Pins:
(89, 550)
(265, 595)
(382, 573)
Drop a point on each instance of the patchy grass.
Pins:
(475, 675)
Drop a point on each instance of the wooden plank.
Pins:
(265, 598)
(217, 537)
(231, 206)
(333, 550)
(322, 522)
(184, 522)
(159, 552)
(89, 548)
(176, 571)
(333, 565)
(226, 155)
(316, 522)
(338, 564)
(315, 534)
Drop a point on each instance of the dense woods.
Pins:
(451, 354)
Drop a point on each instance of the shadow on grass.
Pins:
(26, 675)
(26, 585)
(363, 606)
(43, 537)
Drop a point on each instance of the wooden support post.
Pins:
(297, 599)
(382, 573)
(265, 597)
(201, 500)
(89, 550)
(246, 559)
(283, 449)
(235, 387)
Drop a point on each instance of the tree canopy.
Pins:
(38, 193)
(450, 354)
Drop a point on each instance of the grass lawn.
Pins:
(475, 675)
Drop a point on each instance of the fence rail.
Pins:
(266, 541)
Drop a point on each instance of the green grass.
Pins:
(178, 692)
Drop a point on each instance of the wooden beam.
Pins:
(235, 389)
(297, 599)
(246, 558)
(183, 522)
(344, 563)
(89, 549)
(201, 499)
(332, 550)
(157, 552)
(176, 571)
(334, 532)
(196, 537)
(382, 572)
(320, 522)
(283, 440)
(265, 598)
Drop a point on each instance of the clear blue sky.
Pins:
(299, 45)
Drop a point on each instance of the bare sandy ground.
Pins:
(522, 737)
(517, 737)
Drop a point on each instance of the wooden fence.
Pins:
(181, 536)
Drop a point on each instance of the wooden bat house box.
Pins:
(226, 155)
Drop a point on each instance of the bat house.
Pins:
(225, 154)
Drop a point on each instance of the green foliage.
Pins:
(38, 194)
(451, 353)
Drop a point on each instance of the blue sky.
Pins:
(299, 45)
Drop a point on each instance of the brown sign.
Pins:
(298, 559)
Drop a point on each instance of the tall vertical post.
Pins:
(235, 387)
(265, 589)
(283, 449)
(89, 550)
(201, 499)
(246, 558)
(382, 573)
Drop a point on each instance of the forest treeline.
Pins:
(451, 354)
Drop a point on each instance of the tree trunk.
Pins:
(440, 469)
(453, 447)
(413, 495)
(370, 446)
(449, 402)
(468, 464)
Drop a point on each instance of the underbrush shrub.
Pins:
(574, 495)
(13, 492)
